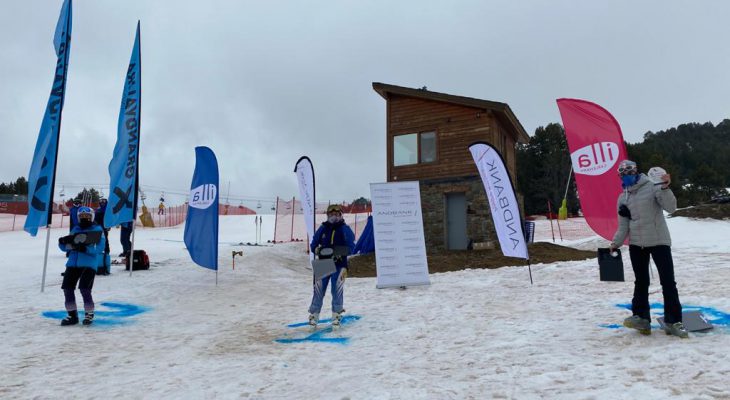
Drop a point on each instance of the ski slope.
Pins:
(171, 333)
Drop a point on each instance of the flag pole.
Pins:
(58, 139)
(139, 142)
(530, 270)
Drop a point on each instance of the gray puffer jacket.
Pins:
(647, 226)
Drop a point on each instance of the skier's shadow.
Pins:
(320, 334)
(120, 314)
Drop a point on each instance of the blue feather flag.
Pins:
(42, 175)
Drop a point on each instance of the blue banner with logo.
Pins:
(124, 166)
(42, 175)
(201, 224)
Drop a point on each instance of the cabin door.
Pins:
(456, 221)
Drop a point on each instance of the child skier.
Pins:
(81, 266)
(332, 233)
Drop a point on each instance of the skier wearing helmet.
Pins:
(641, 217)
(331, 234)
(81, 266)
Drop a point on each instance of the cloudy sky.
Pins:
(265, 82)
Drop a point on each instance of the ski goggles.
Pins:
(334, 209)
(626, 168)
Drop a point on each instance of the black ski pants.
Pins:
(662, 256)
(124, 237)
(84, 276)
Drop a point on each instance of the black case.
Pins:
(611, 268)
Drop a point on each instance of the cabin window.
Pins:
(428, 147)
(414, 148)
(405, 149)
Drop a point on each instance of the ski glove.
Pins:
(624, 211)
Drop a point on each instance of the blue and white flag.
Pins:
(305, 176)
(124, 166)
(42, 175)
(502, 200)
(201, 224)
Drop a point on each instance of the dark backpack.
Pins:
(141, 260)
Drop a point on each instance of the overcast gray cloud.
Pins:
(263, 83)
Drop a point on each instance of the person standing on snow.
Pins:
(73, 214)
(125, 236)
(104, 269)
(73, 218)
(641, 218)
(332, 233)
(81, 267)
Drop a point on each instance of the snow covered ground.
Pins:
(172, 333)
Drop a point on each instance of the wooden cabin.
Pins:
(428, 134)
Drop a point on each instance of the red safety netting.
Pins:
(289, 225)
(176, 215)
(12, 215)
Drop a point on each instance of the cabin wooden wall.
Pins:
(456, 128)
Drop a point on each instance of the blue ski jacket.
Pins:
(91, 258)
(331, 235)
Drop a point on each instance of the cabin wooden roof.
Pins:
(501, 110)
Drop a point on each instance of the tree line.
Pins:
(696, 155)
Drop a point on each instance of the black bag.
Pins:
(611, 268)
(141, 260)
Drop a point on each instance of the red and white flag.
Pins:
(596, 145)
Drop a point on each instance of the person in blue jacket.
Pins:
(72, 218)
(72, 214)
(332, 233)
(81, 266)
(104, 267)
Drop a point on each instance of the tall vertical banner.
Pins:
(305, 176)
(201, 224)
(42, 175)
(400, 246)
(596, 145)
(124, 166)
(502, 201)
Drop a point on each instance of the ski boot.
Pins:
(640, 324)
(337, 319)
(72, 319)
(676, 329)
(88, 319)
(313, 320)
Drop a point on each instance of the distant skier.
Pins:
(81, 266)
(99, 219)
(333, 232)
(640, 217)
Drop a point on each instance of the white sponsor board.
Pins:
(400, 246)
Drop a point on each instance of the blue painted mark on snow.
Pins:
(319, 334)
(119, 314)
(712, 315)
